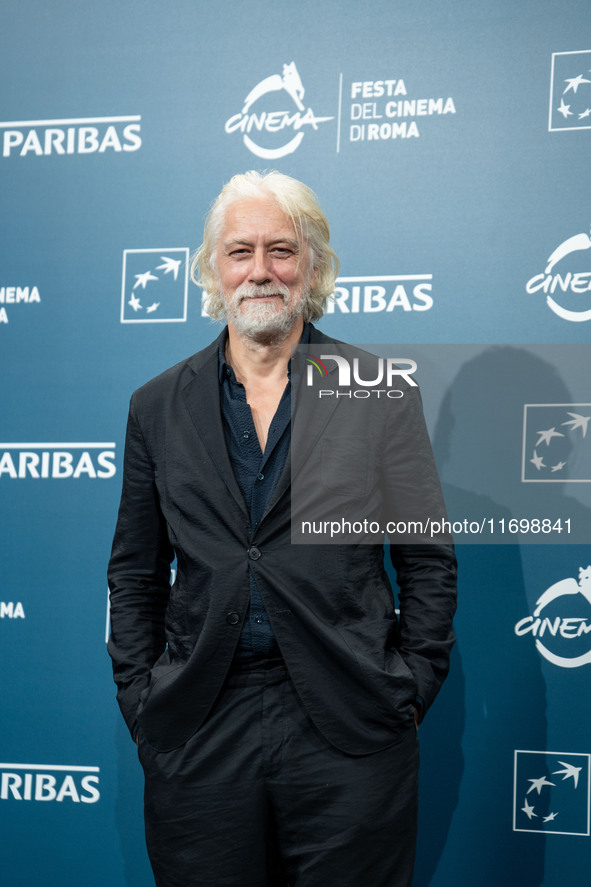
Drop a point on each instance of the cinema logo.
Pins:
(269, 129)
(566, 285)
(11, 610)
(383, 110)
(77, 135)
(349, 374)
(371, 295)
(561, 622)
(49, 782)
(57, 461)
(17, 295)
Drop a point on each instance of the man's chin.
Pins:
(270, 329)
(267, 333)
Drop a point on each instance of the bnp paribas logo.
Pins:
(274, 117)
(56, 461)
(570, 91)
(556, 446)
(70, 783)
(70, 135)
(551, 792)
(154, 287)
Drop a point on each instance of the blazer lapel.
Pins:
(202, 399)
(309, 423)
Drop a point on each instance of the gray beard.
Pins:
(266, 325)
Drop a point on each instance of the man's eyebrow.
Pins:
(289, 240)
(236, 241)
(245, 241)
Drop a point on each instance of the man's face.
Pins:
(264, 275)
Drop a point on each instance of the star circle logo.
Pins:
(270, 130)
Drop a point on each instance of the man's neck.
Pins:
(255, 362)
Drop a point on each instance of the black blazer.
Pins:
(358, 671)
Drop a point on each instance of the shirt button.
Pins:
(258, 620)
(254, 553)
(233, 618)
(246, 435)
(260, 476)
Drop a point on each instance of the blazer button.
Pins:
(233, 618)
(254, 553)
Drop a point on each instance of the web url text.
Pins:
(491, 526)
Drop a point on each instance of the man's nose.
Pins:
(260, 272)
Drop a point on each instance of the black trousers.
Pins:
(257, 798)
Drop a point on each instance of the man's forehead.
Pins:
(252, 216)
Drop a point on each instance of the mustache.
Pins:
(252, 290)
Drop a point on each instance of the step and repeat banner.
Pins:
(450, 147)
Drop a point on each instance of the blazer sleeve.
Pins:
(138, 574)
(426, 570)
(426, 576)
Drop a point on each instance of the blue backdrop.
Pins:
(449, 144)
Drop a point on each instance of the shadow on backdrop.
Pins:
(495, 700)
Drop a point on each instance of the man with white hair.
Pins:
(272, 691)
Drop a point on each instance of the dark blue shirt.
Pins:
(257, 475)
